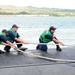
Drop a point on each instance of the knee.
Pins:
(43, 47)
(19, 45)
(7, 47)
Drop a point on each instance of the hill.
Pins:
(15, 10)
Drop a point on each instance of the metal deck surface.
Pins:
(14, 64)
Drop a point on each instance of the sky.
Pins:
(65, 4)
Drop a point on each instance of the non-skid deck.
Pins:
(14, 64)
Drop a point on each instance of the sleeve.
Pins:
(11, 35)
(18, 35)
(3, 38)
(49, 37)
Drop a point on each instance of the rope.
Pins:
(37, 43)
(43, 44)
(47, 58)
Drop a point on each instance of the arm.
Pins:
(3, 43)
(49, 37)
(6, 42)
(10, 44)
(17, 38)
(21, 40)
(54, 39)
(57, 41)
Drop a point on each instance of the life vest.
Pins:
(43, 38)
(1, 34)
(11, 30)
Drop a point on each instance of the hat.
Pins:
(5, 31)
(15, 26)
(52, 28)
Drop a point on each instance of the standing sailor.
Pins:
(46, 37)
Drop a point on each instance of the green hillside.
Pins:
(13, 10)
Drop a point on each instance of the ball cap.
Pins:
(52, 28)
(15, 26)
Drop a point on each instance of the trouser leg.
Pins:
(57, 46)
(7, 49)
(41, 47)
(18, 45)
(21, 48)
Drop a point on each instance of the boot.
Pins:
(23, 49)
(37, 47)
(58, 48)
(7, 49)
(1, 52)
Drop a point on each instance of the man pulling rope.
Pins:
(46, 37)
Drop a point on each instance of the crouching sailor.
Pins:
(13, 36)
(4, 41)
(46, 37)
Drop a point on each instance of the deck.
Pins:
(15, 64)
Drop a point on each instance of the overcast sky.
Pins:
(66, 4)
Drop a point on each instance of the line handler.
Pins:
(13, 36)
(4, 41)
(48, 36)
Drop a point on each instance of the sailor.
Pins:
(4, 41)
(13, 36)
(46, 37)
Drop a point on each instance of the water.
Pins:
(31, 27)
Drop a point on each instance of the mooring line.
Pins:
(47, 58)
